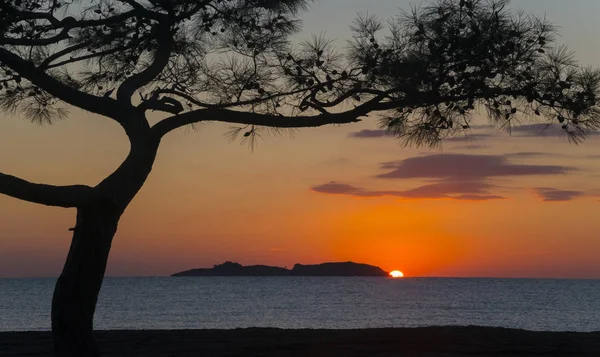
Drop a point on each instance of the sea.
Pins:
(315, 302)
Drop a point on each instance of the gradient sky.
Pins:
(520, 206)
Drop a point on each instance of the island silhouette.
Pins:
(325, 269)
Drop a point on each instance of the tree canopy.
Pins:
(425, 75)
(427, 72)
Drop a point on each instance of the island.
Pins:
(325, 269)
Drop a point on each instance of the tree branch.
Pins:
(163, 54)
(58, 196)
(65, 51)
(98, 105)
(71, 60)
(240, 103)
(373, 105)
(106, 21)
(63, 35)
(165, 104)
(144, 11)
(235, 117)
(29, 15)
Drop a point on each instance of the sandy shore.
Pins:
(422, 342)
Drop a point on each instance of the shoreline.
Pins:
(445, 341)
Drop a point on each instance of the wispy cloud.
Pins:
(381, 133)
(483, 132)
(528, 154)
(462, 177)
(368, 133)
(468, 137)
(464, 191)
(548, 194)
(470, 147)
(541, 129)
(464, 167)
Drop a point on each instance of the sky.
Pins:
(486, 205)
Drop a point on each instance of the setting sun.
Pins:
(396, 274)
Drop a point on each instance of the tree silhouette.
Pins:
(200, 61)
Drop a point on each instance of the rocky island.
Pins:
(325, 269)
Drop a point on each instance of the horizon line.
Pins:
(378, 277)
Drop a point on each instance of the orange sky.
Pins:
(316, 197)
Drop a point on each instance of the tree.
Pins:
(199, 61)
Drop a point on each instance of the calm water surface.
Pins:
(321, 302)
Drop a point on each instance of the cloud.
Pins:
(367, 133)
(468, 137)
(470, 147)
(483, 132)
(484, 126)
(336, 188)
(540, 129)
(554, 195)
(528, 154)
(464, 167)
(478, 197)
(464, 191)
(442, 189)
(530, 130)
(382, 133)
(461, 177)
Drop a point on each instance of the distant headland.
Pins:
(325, 269)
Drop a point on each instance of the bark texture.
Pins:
(77, 289)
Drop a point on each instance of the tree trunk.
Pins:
(76, 292)
(77, 288)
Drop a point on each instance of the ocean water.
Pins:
(316, 302)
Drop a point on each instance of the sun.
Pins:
(396, 274)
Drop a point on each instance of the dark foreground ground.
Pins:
(434, 341)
